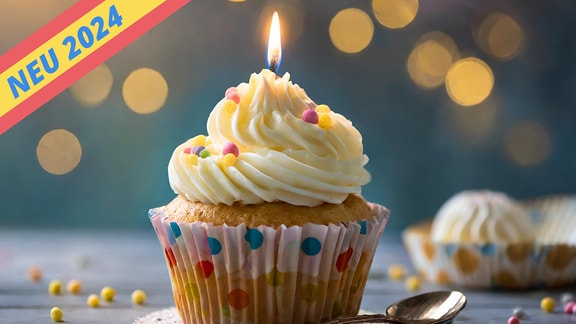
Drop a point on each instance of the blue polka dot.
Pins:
(488, 249)
(215, 246)
(450, 249)
(254, 238)
(175, 229)
(311, 246)
(363, 227)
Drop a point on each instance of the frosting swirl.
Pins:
(482, 217)
(268, 141)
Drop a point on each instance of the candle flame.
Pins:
(274, 44)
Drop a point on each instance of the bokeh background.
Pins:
(448, 94)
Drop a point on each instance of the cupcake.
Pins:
(485, 239)
(268, 224)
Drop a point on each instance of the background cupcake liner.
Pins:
(228, 274)
(493, 266)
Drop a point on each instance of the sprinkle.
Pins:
(187, 150)
(93, 300)
(413, 283)
(547, 304)
(204, 153)
(74, 286)
(229, 90)
(192, 159)
(310, 116)
(323, 109)
(233, 95)
(56, 314)
(569, 308)
(55, 287)
(107, 293)
(396, 272)
(197, 149)
(513, 320)
(230, 148)
(229, 106)
(519, 312)
(324, 121)
(566, 298)
(229, 159)
(138, 297)
(198, 140)
(35, 274)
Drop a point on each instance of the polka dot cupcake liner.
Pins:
(240, 274)
(490, 266)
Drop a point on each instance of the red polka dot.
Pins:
(343, 260)
(170, 257)
(238, 299)
(205, 267)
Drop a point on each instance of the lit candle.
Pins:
(274, 44)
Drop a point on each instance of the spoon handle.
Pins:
(371, 318)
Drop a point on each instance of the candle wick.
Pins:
(274, 64)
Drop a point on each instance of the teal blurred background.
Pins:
(424, 144)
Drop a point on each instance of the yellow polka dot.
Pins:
(505, 279)
(466, 261)
(275, 278)
(429, 251)
(310, 292)
(198, 140)
(443, 278)
(560, 257)
(229, 159)
(229, 106)
(324, 121)
(323, 109)
(518, 252)
(191, 291)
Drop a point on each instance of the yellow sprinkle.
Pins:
(547, 304)
(138, 297)
(323, 109)
(198, 140)
(229, 106)
(191, 159)
(74, 286)
(35, 274)
(56, 314)
(229, 159)
(396, 272)
(413, 283)
(107, 293)
(55, 287)
(93, 300)
(324, 121)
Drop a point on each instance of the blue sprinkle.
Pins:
(311, 246)
(175, 229)
(215, 246)
(254, 238)
(363, 227)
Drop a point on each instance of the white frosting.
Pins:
(482, 217)
(282, 157)
(557, 219)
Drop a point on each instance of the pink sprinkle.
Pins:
(232, 94)
(569, 308)
(277, 77)
(310, 116)
(187, 150)
(230, 148)
(513, 320)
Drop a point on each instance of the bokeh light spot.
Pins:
(500, 36)
(351, 30)
(145, 91)
(431, 58)
(527, 143)
(59, 151)
(94, 87)
(395, 13)
(469, 81)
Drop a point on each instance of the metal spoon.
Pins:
(429, 308)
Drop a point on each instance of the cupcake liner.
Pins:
(297, 274)
(490, 266)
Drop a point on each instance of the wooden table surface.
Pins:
(133, 260)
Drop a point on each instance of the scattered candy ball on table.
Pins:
(93, 301)
(138, 297)
(547, 304)
(513, 320)
(574, 309)
(35, 274)
(56, 314)
(569, 307)
(396, 272)
(108, 293)
(74, 286)
(55, 287)
(566, 298)
(413, 283)
(519, 313)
